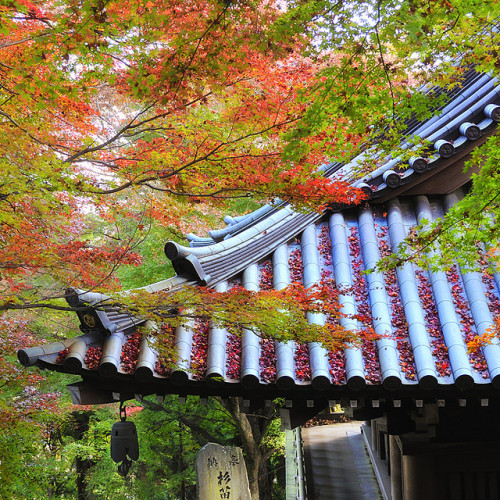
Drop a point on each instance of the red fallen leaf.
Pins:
(302, 366)
(295, 265)
(199, 349)
(401, 328)
(130, 352)
(325, 246)
(462, 309)
(266, 276)
(233, 348)
(93, 357)
(267, 360)
(161, 369)
(433, 324)
(62, 356)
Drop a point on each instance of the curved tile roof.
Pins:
(424, 319)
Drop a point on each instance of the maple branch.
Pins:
(23, 40)
(446, 31)
(116, 58)
(9, 118)
(53, 147)
(132, 125)
(104, 3)
(247, 155)
(339, 73)
(196, 160)
(204, 195)
(148, 129)
(384, 65)
(12, 94)
(436, 232)
(91, 149)
(202, 36)
(10, 306)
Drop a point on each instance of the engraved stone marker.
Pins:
(221, 473)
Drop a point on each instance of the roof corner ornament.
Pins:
(172, 250)
(124, 442)
(366, 188)
(72, 297)
(186, 266)
(470, 130)
(492, 111)
(391, 178)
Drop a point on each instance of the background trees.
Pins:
(126, 123)
(69, 455)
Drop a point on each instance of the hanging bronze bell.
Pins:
(124, 441)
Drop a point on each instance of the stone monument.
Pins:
(221, 473)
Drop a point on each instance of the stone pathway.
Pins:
(337, 464)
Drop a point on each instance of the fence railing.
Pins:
(294, 465)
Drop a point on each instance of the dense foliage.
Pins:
(171, 104)
(123, 124)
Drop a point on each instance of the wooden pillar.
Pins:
(395, 468)
(374, 436)
(420, 480)
(381, 445)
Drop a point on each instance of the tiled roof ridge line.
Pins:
(381, 315)
(318, 354)
(174, 250)
(449, 124)
(285, 374)
(216, 352)
(285, 221)
(457, 350)
(250, 342)
(417, 332)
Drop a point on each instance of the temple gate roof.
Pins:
(425, 319)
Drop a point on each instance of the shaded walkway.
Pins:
(337, 464)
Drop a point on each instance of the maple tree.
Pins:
(119, 116)
(179, 102)
(102, 100)
(105, 101)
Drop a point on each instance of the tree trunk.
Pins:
(181, 463)
(265, 480)
(82, 466)
(253, 425)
